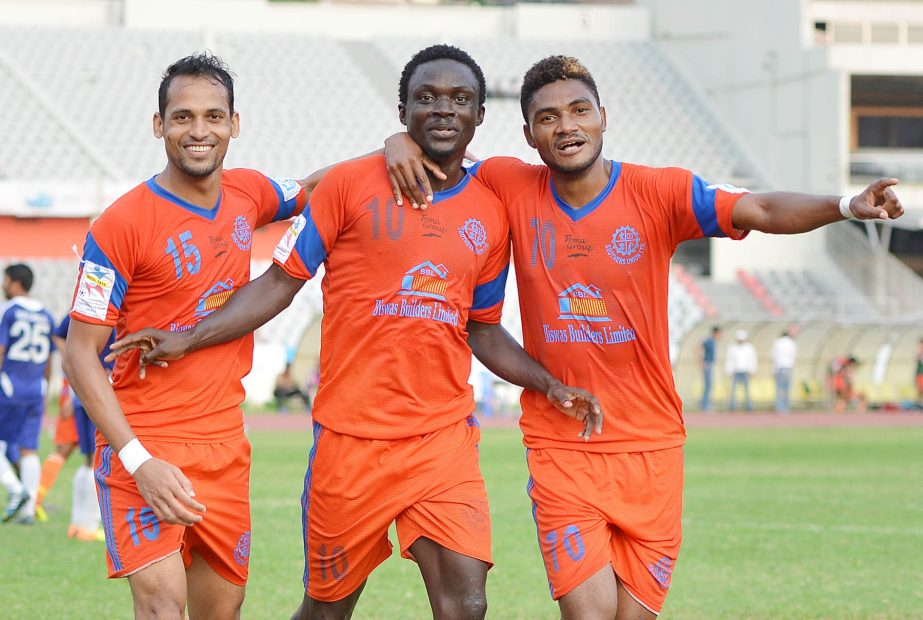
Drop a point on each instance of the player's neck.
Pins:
(453, 171)
(201, 191)
(579, 188)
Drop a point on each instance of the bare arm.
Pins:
(503, 356)
(790, 212)
(246, 310)
(163, 486)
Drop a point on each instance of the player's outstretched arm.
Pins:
(248, 308)
(503, 356)
(790, 212)
(309, 183)
(165, 488)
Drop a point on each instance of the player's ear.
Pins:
(402, 114)
(235, 125)
(158, 125)
(602, 116)
(480, 116)
(528, 134)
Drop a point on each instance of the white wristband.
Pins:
(133, 455)
(844, 207)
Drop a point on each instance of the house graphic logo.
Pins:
(582, 303)
(425, 280)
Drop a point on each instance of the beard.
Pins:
(198, 169)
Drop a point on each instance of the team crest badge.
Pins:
(242, 550)
(474, 236)
(626, 246)
(242, 234)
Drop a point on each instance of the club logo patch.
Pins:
(289, 187)
(475, 237)
(242, 234)
(242, 550)
(662, 571)
(626, 246)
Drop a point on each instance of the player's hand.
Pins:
(156, 346)
(578, 404)
(168, 491)
(877, 202)
(407, 167)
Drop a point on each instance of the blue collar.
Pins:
(578, 214)
(454, 190)
(208, 214)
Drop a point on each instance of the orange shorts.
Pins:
(135, 538)
(431, 485)
(65, 431)
(595, 509)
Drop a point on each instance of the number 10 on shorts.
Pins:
(571, 541)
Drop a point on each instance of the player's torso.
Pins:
(397, 269)
(593, 285)
(398, 288)
(29, 327)
(192, 261)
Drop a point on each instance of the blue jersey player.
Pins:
(25, 347)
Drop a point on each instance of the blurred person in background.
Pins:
(740, 364)
(919, 374)
(784, 353)
(25, 352)
(709, 355)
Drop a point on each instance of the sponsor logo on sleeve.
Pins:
(94, 290)
(290, 187)
(730, 189)
(287, 243)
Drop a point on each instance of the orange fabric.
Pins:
(65, 431)
(399, 288)
(220, 475)
(623, 509)
(593, 293)
(431, 485)
(154, 260)
(51, 467)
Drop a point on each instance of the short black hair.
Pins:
(22, 274)
(440, 52)
(715, 329)
(201, 64)
(549, 70)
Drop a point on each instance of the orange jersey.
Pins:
(593, 293)
(154, 260)
(399, 288)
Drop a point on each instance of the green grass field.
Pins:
(779, 523)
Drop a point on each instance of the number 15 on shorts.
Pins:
(559, 545)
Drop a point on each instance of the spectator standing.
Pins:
(740, 364)
(709, 354)
(784, 353)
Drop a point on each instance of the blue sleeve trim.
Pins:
(703, 205)
(491, 293)
(286, 207)
(92, 252)
(473, 169)
(309, 245)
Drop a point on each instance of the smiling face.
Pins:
(442, 108)
(566, 126)
(197, 125)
